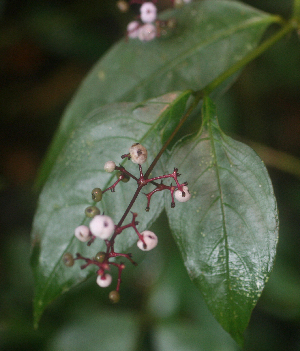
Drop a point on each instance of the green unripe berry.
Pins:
(92, 211)
(100, 256)
(68, 259)
(126, 177)
(114, 296)
(97, 194)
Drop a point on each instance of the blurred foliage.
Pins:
(46, 48)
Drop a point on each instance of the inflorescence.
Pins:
(147, 26)
(102, 226)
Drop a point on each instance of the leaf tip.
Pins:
(37, 312)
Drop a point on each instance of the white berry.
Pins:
(179, 196)
(104, 280)
(133, 29)
(109, 166)
(150, 240)
(102, 226)
(147, 32)
(82, 233)
(138, 153)
(148, 12)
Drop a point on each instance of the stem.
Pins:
(296, 10)
(288, 27)
(276, 159)
(198, 97)
(128, 208)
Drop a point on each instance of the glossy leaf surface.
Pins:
(209, 38)
(104, 135)
(228, 231)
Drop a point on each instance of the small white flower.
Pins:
(104, 280)
(133, 28)
(150, 239)
(147, 32)
(109, 166)
(102, 226)
(138, 153)
(179, 196)
(82, 233)
(148, 12)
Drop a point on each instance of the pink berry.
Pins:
(82, 233)
(147, 32)
(133, 29)
(148, 12)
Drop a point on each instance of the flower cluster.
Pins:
(103, 227)
(147, 27)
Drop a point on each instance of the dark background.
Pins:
(46, 48)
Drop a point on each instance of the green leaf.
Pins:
(105, 134)
(209, 38)
(228, 231)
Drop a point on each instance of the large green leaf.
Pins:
(227, 233)
(105, 134)
(210, 37)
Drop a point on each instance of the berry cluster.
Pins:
(147, 27)
(102, 226)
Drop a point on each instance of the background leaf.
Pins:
(227, 233)
(104, 135)
(210, 37)
(99, 329)
(187, 335)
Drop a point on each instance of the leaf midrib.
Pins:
(224, 225)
